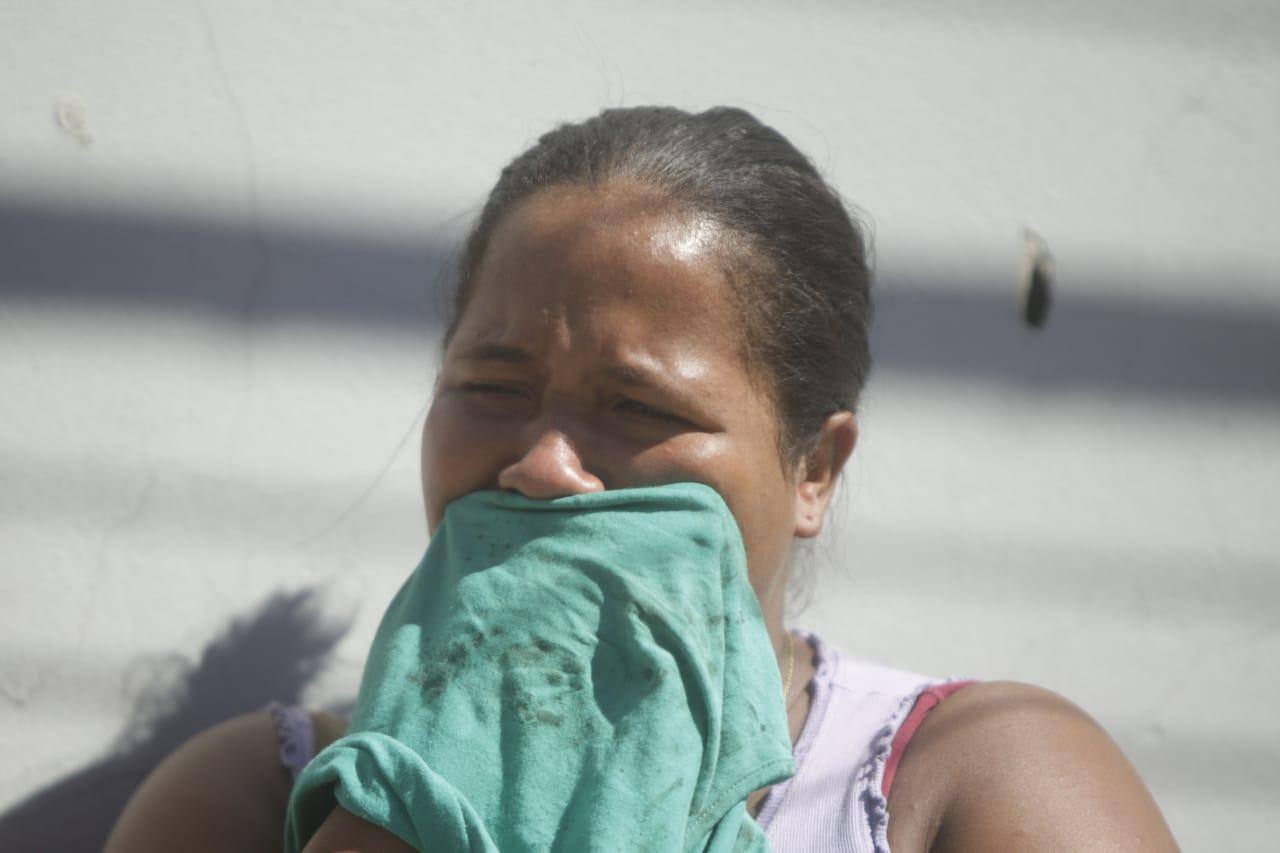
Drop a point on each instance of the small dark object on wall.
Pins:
(1035, 285)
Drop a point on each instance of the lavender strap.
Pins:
(295, 735)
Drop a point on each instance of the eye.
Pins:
(647, 411)
(495, 398)
(489, 388)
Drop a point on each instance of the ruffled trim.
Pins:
(875, 808)
(295, 736)
(870, 776)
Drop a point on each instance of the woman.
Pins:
(653, 297)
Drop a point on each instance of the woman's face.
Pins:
(600, 350)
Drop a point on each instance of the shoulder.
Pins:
(225, 787)
(1001, 765)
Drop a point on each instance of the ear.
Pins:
(820, 471)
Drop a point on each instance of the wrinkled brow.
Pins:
(496, 352)
(635, 376)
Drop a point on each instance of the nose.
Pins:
(550, 468)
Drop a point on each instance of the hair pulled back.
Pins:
(802, 286)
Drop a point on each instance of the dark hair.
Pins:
(803, 283)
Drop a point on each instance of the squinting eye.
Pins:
(648, 411)
(486, 388)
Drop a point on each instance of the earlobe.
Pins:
(820, 471)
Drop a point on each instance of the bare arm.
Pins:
(224, 789)
(1004, 766)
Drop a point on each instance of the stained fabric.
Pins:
(588, 673)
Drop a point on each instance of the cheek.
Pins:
(696, 458)
(754, 487)
(768, 543)
(747, 476)
(459, 455)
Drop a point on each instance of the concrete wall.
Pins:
(222, 225)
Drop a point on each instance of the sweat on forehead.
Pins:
(599, 244)
(627, 212)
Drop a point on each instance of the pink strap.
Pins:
(928, 699)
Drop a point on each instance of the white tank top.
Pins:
(834, 803)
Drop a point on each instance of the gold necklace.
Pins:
(791, 665)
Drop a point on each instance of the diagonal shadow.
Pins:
(273, 653)
(953, 328)
(228, 271)
(1111, 345)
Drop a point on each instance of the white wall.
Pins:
(221, 224)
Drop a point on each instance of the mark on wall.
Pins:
(1103, 337)
(69, 113)
(1035, 284)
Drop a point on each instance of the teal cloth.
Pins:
(588, 673)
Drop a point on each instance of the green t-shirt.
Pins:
(590, 673)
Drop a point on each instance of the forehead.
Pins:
(606, 266)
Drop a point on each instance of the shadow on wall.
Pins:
(956, 328)
(272, 653)
(229, 272)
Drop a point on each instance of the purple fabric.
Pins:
(295, 735)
